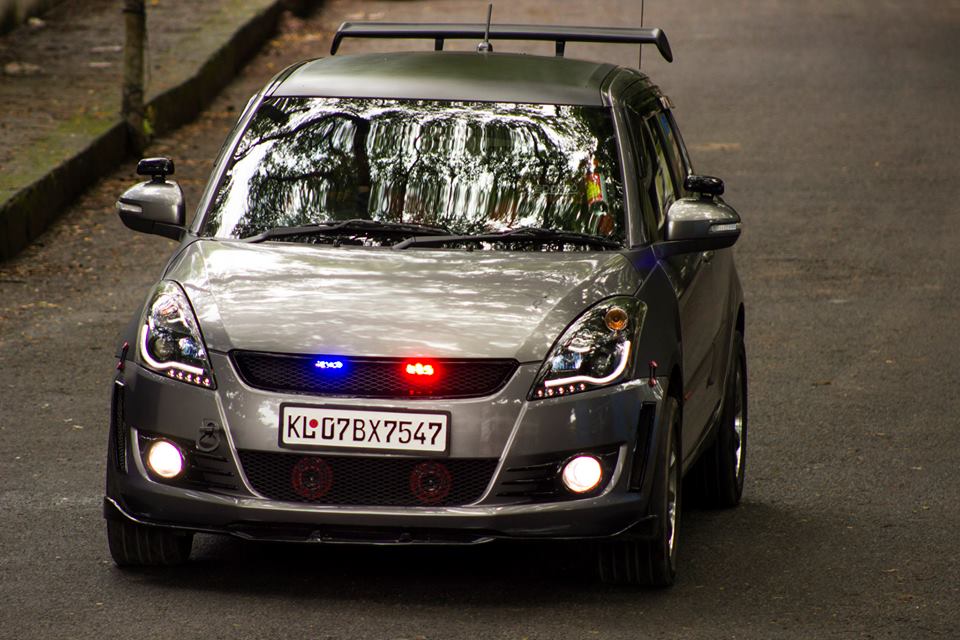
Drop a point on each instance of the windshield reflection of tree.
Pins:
(471, 167)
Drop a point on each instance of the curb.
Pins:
(29, 211)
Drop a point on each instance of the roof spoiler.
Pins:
(560, 35)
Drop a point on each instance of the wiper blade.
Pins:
(520, 234)
(354, 225)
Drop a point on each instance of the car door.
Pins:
(689, 274)
(715, 275)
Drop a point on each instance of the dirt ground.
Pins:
(65, 70)
(61, 269)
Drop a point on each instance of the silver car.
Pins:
(436, 298)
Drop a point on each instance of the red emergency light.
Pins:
(419, 369)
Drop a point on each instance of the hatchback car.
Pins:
(436, 298)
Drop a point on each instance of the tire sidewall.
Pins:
(738, 368)
(671, 444)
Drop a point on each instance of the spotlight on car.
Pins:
(165, 459)
(582, 474)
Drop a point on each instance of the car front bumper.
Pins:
(505, 426)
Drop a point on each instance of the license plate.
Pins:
(345, 428)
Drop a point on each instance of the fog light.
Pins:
(582, 474)
(165, 459)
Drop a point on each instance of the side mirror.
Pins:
(694, 225)
(156, 206)
(704, 185)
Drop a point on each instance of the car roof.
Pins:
(451, 75)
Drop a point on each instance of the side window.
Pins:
(673, 143)
(663, 190)
(652, 217)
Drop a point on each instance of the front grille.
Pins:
(537, 479)
(205, 471)
(367, 480)
(371, 377)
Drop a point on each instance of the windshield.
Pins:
(467, 167)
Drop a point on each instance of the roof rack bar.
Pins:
(468, 31)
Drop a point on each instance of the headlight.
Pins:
(595, 351)
(170, 341)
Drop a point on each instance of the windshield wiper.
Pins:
(520, 234)
(344, 227)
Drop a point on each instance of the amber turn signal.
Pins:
(616, 319)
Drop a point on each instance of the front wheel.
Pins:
(722, 468)
(137, 545)
(652, 563)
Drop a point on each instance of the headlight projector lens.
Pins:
(582, 474)
(165, 459)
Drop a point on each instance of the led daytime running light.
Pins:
(594, 351)
(169, 340)
(621, 367)
(162, 366)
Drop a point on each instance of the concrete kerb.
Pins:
(32, 208)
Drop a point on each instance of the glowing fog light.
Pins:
(582, 474)
(165, 459)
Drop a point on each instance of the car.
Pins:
(437, 297)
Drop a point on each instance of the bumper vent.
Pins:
(371, 377)
(367, 481)
(648, 414)
(118, 429)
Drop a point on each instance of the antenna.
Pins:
(485, 46)
(640, 61)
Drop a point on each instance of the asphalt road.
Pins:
(835, 125)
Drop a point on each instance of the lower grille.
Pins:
(367, 481)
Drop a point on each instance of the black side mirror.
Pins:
(156, 206)
(704, 185)
(695, 225)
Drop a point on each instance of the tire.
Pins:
(652, 563)
(136, 545)
(720, 471)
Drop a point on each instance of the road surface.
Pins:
(835, 126)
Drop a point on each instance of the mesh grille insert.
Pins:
(365, 480)
(371, 377)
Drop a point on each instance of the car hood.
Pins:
(353, 301)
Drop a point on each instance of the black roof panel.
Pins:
(451, 75)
